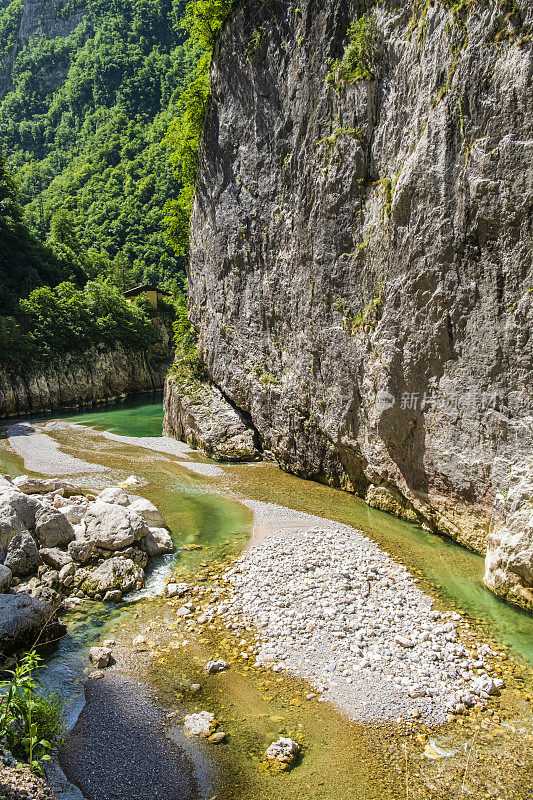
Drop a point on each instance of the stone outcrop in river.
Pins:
(201, 416)
(96, 375)
(360, 265)
(59, 546)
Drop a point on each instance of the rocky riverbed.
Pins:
(61, 545)
(327, 604)
(330, 606)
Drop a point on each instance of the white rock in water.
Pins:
(284, 750)
(216, 666)
(113, 527)
(156, 542)
(148, 511)
(117, 573)
(133, 480)
(201, 724)
(177, 589)
(100, 657)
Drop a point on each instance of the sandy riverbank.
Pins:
(41, 453)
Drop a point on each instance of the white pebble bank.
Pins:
(331, 607)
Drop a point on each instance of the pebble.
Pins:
(218, 737)
(216, 666)
(201, 724)
(100, 657)
(284, 751)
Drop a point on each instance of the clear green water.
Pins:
(197, 516)
(340, 760)
(452, 571)
(446, 568)
(139, 415)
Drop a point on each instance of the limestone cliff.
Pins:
(99, 374)
(360, 266)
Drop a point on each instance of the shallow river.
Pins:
(453, 572)
(341, 760)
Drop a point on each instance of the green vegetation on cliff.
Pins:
(202, 21)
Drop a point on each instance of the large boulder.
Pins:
(113, 527)
(52, 528)
(509, 559)
(17, 513)
(5, 578)
(114, 574)
(81, 549)
(199, 414)
(22, 554)
(113, 494)
(9, 526)
(30, 485)
(24, 507)
(156, 542)
(148, 511)
(74, 512)
(22, 620)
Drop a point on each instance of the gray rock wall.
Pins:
(96, 375)
(360, 271)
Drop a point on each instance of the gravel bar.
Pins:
(332, 607)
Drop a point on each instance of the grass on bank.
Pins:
(31, 721)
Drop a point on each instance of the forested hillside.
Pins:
(88, 91)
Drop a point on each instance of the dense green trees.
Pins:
(24, 261)
(63, 312)
(100, 127)
(81, 125)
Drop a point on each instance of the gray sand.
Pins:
(42, 454)
(207, 470)
(119, 749)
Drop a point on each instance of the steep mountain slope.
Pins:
(87, 91)
(360, 266)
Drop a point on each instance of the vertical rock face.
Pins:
(98, 374)
(360, 273)
(201, 416)
(40, 17)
